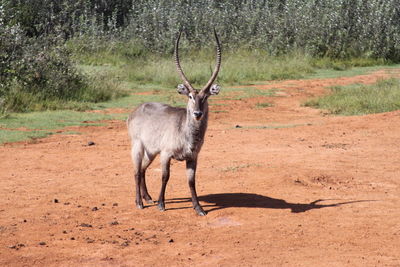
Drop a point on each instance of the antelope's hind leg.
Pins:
(137, 157)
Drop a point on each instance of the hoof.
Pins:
(161, 206)
(200, 211)
(140, 206)
(149, 201)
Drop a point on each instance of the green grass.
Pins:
(326, 73)
(236, 168)
(239, 66)
(8, 136)
(347, 64)
(358, 99)
(169, 96)
(239, 93)
(49, 120)
(20, 126)
(131, 62)
(133, 77)
(263, 105)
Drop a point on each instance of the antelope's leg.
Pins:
(137, 155)
(191, 175)
(147, 160)
(165, 165)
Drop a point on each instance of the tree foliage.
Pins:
(334, 28)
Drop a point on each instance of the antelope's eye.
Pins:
(190, 96)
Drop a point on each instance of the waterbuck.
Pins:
(172, 132)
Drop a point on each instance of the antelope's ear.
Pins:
(182, 89)
(214, 90)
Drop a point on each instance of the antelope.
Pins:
(174, 133)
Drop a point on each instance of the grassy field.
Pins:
(358, 99)
(129, 78)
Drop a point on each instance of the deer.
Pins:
(171, 132)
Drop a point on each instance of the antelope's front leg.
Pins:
(191, 175)
(165, 165)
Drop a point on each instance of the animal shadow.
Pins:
(247, 200)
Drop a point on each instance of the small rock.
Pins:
(17, 246)
(64, 232)
(171, 241)
(72, 238)
(42, 243)
(125, 244)
(115, 204)
(56, 200)
(114, 223)
(91, 143)
(95, 209)
(85, 225)
(238, 126)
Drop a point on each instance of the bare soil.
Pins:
(283, 185)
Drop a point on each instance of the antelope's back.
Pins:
(154, 122)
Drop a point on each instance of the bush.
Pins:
(38, 73)
(332, 28)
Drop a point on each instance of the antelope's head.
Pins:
(197, 99)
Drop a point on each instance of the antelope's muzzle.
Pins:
(197, 114)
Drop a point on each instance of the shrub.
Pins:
(38, 73)
(332, 28)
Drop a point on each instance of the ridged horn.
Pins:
(178, 65)
(217, 66)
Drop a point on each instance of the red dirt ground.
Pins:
(311, 190)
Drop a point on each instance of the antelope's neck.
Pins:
(195, 131)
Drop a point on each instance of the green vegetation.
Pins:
(331, 28)
(239, 66)
(357, 99)
(7, 136)
(354, 71)
(80, 55)
(236, 168)
(263, 105)
(15, 127)
(38, 74)
(262, 40)
(52, 119)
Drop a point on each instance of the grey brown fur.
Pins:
(174, 133)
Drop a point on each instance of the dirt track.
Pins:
(308, 190)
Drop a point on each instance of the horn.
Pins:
(217, 66)
(178, 65)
